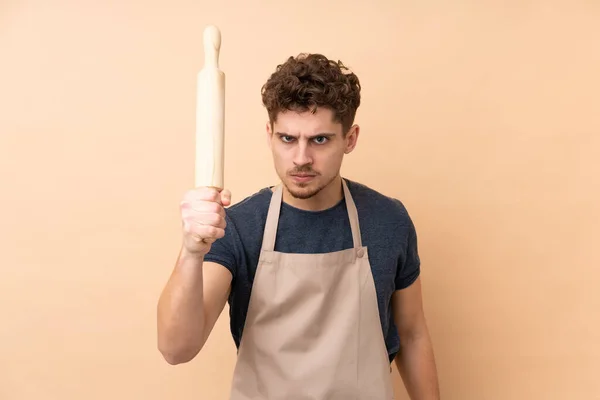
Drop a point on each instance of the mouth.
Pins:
(302, 177)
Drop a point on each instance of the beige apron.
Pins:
(313, 330)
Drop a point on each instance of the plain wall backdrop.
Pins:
(483, 117)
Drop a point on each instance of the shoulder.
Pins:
(250, 204)
(246, 217)
(245, 220)
(378, 206)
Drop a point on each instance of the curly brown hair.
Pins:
(309, 81)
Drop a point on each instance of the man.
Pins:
(321, 273)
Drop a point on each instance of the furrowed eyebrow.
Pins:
(324, 134)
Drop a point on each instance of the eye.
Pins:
(321, 139)
(286, 139)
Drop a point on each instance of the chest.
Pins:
(331, 235)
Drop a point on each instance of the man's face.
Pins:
(308, 150)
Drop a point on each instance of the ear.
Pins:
(352, 138)
(269, 133)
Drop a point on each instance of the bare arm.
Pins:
(189, 306)
(196, 292)
(415, 361)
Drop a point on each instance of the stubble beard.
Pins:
(306, 194)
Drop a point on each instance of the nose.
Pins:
(302, 155)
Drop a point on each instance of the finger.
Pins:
(203, 193)
(210, 219)
(199, 239)
(202, 208)
(207, 231)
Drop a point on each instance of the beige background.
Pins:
(483, 117)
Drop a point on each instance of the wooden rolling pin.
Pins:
(210, 114)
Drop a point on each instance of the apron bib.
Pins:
(312, 330)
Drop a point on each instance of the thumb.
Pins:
(225, 197)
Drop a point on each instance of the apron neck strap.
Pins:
(270, 232)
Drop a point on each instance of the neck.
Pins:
(327, 197)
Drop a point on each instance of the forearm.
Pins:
(416, 364)
(181, 314)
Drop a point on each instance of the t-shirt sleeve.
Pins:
(409, 263)
(224, 251)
